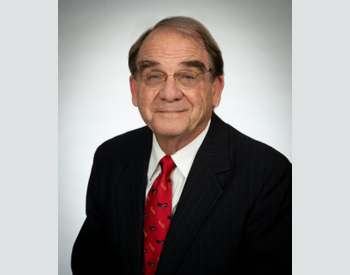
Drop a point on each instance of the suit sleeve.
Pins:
(87, 252)
(268, 241)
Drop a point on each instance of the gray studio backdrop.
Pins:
(94, 97)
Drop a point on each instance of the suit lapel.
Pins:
(201, 192)
(130, 201)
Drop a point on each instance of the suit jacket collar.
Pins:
(201, 192)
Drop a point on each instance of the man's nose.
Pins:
(170, 90)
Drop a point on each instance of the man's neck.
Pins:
(170, 145)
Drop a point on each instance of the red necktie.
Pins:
(157, 216)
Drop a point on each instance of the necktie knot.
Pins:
(167, 165)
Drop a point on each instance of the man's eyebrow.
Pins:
(194, 63)
(144, 64)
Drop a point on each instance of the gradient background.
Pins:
(94, 38)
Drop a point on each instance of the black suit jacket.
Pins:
(233, 217)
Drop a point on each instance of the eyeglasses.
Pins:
(186, 79)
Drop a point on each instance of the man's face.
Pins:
(173, 111)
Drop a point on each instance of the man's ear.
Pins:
(133, 89)
(218, 86)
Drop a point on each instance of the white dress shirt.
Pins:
(183, 159)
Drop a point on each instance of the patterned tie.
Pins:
(157, 216)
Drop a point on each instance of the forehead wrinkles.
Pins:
(170, 45)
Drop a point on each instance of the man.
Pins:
(222, 201)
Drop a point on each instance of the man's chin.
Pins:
(171, 115)
(168, 132)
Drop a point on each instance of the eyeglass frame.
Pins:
(175, 77)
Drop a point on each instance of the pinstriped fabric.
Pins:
(110, 239)
(233, 217)
(224, 186)
(130, 203)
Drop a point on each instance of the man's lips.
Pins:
(170, 111)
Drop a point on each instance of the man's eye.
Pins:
(154, 77)
(187, 76)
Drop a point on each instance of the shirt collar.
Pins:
(182, 158)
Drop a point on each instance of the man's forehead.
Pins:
(165, 42)
(169, 32)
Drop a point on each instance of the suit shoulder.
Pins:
(126, 141)
(125, 137)
(251, 148)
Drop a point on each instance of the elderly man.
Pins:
(186, 194)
